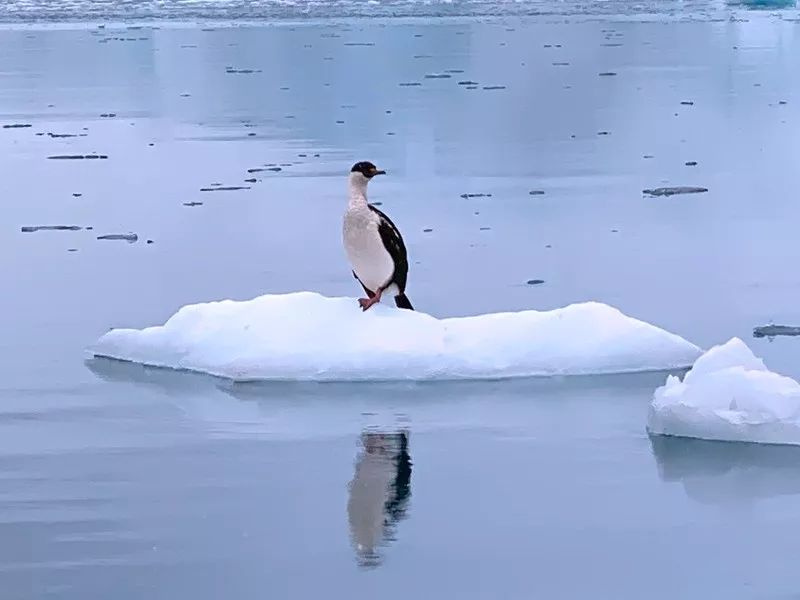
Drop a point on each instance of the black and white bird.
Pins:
(373, 244)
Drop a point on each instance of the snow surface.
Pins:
(728, 395)
(306, 336)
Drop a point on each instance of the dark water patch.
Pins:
(225, 188)
(687, 103)
(17, 126)
(560, 64)
(648, 156)
(359, 43)
(262, 169)
(607, 74)
(775, 330)
(34, 228)
(193, 203)
(409, 84)
(108, 115)
(611, 45)
(478, 195)
(423, 56)
(494, 87)
(64, 135)
(125, 237)
(536, 192)
(672, 191)
(691, 163)
(78, 157)
(485, 228)
(782, 102)
(438, 76)
(376, 203)
(455, 71)
(76, 194)
(603, 133)
(231, 70)
(535, 281)
(251, 180)
(427, 230)
(189, 46)
(185, 95)
(340, 122)
(468, 82)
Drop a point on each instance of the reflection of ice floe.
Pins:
(306, 336)
(727, 472)
(378, 493)
(728, 395)
(304, 410)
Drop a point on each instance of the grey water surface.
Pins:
(513, 155)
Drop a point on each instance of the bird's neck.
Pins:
(357, 197)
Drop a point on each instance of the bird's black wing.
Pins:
(393, 242)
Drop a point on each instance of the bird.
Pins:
(373, 244)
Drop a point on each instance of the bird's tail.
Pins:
(402, 301)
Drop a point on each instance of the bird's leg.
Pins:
(365, 303)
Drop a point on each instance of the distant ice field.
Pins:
(235, 10)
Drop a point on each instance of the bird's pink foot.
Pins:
(365, 303)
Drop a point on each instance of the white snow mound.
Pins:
(728, 395)
(306, 336)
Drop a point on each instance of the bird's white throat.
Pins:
(357, 185)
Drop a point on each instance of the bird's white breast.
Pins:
(369, 258)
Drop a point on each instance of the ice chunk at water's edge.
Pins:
(729, 394)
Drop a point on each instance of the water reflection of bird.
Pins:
(379, 493)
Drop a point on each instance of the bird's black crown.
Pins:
(366, 168)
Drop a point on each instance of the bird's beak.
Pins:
(379, 172)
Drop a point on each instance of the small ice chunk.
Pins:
(729, 394)
(306, 336)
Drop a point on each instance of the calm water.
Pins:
(133, 483)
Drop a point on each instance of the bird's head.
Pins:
(363, 171)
